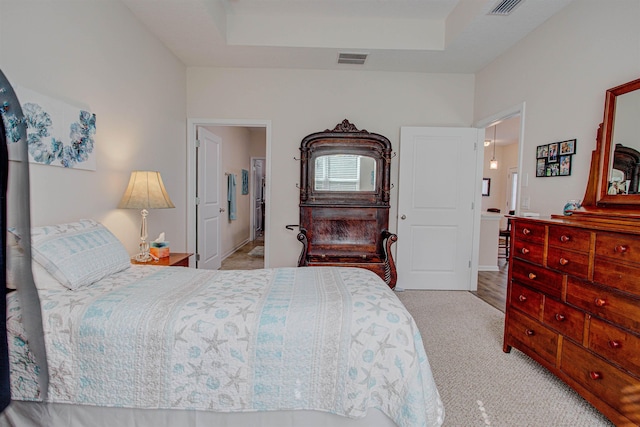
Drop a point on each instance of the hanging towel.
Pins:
(231, 196)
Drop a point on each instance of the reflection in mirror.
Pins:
(345, 172)
(625, 142)
(625, 172)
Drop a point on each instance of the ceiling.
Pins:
(430, 36)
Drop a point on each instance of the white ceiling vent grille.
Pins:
(505, 7)
(352, 58)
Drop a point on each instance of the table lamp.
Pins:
(145, 191)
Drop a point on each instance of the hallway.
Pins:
(244, 259)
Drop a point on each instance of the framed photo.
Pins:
(553, 169)
(553, 152)
(565, 165)
(542, 151)
(486, 186)
(541, 167)
(568, 147)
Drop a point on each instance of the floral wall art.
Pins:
(58, 133)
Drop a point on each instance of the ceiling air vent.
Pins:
(352, 58)
(505, 7)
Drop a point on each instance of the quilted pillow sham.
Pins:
(78, 254)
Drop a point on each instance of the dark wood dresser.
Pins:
(344, 201)
(573, 305)
(573, 297)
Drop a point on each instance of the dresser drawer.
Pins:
(615, 344)
(602, 379)
(564, 319)
(622, 247)
(605, 303)
(547, 281)
(532, 252)
(570, 262)
(620, 276)
(526, 300)
(572, 238)
(528, 230)
(531, 336)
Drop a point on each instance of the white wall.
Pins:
(562, 71)
(95, 53)
(300, 102)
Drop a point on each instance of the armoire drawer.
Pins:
(570, 262)
(526, 300)
(615, 344)
(609, 383)
(621, 247)
(532, 252)
(605, 303)
(572, 238)
(535, 276)
(564, 319)
(530, 336)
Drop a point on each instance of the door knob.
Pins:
(221, 209)
(403, 217)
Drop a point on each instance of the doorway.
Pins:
(506, 185)
(193, 232)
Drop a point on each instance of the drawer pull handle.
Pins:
(621, 249)
(525, 251)
(600, 302)
(323, 256)
(526, 231)
(560, 317)
(530, 332)
(522, 298)
(364, 257)
(563, 261)
(595, 375)
(615, 344)
(564, 238)
(532, 276)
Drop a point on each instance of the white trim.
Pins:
(488, 268)
(252, 195)
(192, 124)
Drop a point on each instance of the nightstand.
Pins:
(175, 259)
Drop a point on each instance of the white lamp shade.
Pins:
(145, 191)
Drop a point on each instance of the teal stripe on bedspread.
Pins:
(300, 360)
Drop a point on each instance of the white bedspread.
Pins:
(328, 339)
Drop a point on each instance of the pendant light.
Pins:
(493, 164)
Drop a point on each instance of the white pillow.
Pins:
(78, 254)
(41, 277)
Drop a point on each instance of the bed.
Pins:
(145, 345)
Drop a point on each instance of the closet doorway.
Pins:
(246, 140)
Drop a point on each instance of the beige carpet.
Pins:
(481, 385)
(258, 251)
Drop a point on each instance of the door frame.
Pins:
(192, 125)
(518, 109)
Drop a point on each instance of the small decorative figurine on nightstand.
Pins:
(159, 247)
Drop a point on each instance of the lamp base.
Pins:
(142, 257)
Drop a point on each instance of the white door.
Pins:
(209, 204)
(436, 192)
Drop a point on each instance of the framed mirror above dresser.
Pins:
(344, 200)
(573, 292)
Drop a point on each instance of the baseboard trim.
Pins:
(488, 268)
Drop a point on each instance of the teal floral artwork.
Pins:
(58, 134)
